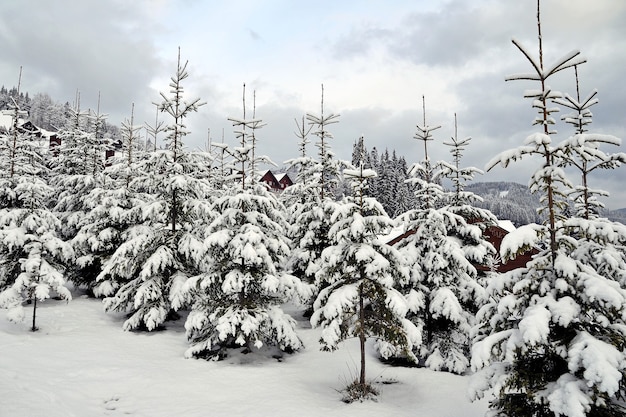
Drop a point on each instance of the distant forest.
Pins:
(44, 112)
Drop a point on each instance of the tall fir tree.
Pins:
(75, 166)
(113, 207)
(142, 274)
(552, 338)
(236, 299)
(32, 256)
(441, 247)
(311, 222)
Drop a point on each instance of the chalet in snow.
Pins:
(276, 182)
(24, 126)
(494, 235)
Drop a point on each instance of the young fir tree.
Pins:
(112, 208)
(441, 249)
(317, 183)
(328, 169)
(75, 166)
(29, 241)
(236, 300)
(361, 271)
(552, 339)
(31, 254)
(582, 151)
(302, 199)
(141, 275)
(464, 203)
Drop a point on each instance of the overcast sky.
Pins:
(375, 58)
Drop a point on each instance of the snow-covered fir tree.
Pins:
(112, 208)
(552, 339)
(308, 229)
(314, 201)
(74, 167)
(236, 299)
(582, 151)
(140, 275)
(31, 254)
(441, 248)
(465, 204)
(361, 272)
(328, 168)
(29, 243)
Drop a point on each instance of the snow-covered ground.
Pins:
(81, 363)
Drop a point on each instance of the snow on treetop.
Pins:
(359, 173)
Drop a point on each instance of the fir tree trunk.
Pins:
(429, 324)
(362, 335)
(174, 210)
(34, 327)
(586, 192)
(548, 153)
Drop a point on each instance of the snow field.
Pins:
(81, 363)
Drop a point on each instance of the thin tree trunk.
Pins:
(586, 192)
(362, 335)
(174, 209)
(34, 327)
(548, 152)
(429, 324)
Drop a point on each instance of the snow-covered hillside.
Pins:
(81, 363)
(515, 202)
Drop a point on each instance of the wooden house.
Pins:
(284, 180)
(27, 127)
(276, 183)
(494, 235)
(269, 179)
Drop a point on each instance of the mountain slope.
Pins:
(513, 201)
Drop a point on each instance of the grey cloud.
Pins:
(459, 32)
(360, 41)
(88, 46)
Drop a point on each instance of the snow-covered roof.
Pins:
(506, 225)
(6, 122)
(281, 176)
(264, 174)
(6, 119)
(393, 234)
